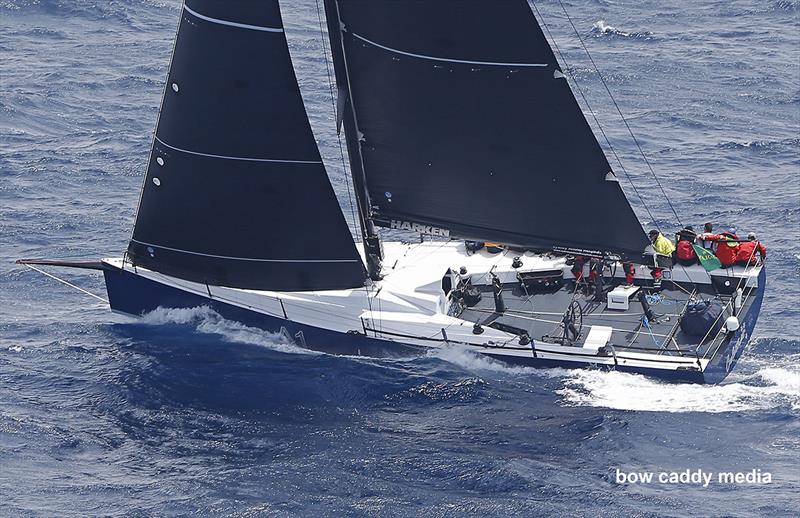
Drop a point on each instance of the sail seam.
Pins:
(247, 258)
(448, 60)
(247, 159)
(232, 24)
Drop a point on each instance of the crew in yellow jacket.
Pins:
(661, 244)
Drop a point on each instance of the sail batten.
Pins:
(247, 159)
(236, 192)
(462, 122)
(255, 259)
(448, 60)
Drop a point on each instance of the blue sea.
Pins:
(185, 413)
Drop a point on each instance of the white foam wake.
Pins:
(207, 321)
(476, 362)
(772, 387)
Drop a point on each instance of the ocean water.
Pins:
(183, 412)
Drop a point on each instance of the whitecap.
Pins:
(601, 28)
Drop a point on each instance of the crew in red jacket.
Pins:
(684, 251)
(727, 248)
(748, 250)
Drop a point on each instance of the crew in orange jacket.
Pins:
(746, 254)
(727, 248)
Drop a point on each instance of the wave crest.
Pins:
(787, 144)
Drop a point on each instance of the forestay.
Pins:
(464, 125)
(236, 193)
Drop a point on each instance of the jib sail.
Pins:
(236, 193)
(461, 122)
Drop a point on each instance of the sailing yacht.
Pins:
(464, 137)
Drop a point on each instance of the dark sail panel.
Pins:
(465, 123)
(236, 193)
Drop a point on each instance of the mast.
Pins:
(373, 250)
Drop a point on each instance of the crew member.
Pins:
(746, 255)
(708, 237)
(577, 267)
(662, 247)
(727, 248)
(684, 251)
(630, 273)
(661, 244)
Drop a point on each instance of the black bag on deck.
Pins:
(702, 318)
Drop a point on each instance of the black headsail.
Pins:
(236, 193)
(464, 125)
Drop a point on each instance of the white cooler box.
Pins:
(620, 297)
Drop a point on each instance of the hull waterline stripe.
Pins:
(246, 159)
(247, 258)
(447, 60)
(231, 24)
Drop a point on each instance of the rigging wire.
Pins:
(624, 120)
(367, 286)
(67, 283)
(653, 219)
(594, 116)
(333, 109)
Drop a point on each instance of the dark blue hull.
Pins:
(135, 295)
(726, 358)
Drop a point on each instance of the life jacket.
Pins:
(727, 250)
(746, 253)
(685, 252)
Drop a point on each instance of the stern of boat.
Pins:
(725, 359)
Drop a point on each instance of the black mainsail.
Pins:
(236, 193)
(462, 123)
